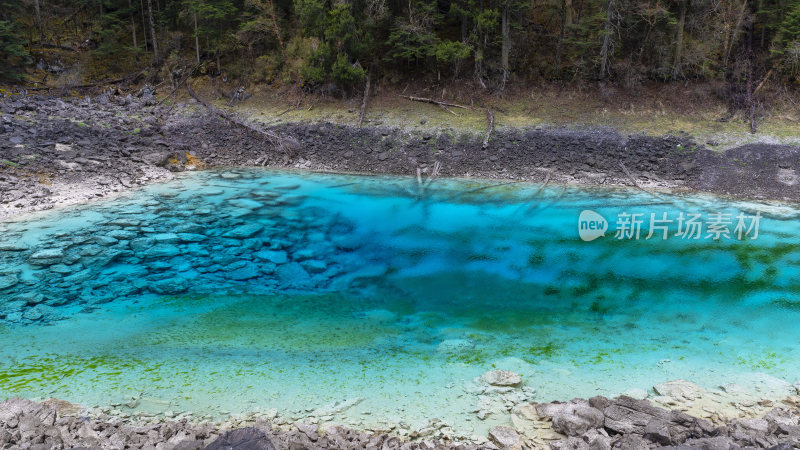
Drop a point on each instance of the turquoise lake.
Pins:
(225, 292)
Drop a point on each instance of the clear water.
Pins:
(363, 287)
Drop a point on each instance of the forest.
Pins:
(336, 44)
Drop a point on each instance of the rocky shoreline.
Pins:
(64, 151)
(624, 422)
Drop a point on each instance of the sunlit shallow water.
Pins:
(229, 292)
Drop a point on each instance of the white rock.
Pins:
(679, 389)
(505, 437)
(501, 378)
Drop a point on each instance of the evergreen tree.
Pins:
(13, 56)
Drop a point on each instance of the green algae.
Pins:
(35, 373)
(300, 323)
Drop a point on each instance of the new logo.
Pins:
(591, 225)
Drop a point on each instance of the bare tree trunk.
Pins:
(733, 34)
(561, 35)
(464, 31)
(275, 27)
(751, 101)
(506, 29)
(608, 41)
(38, 18)
(676, 66)
(489, 127)
(364, 101)
(133, 23)
(152, 28)
(144, 26)
(196, 37)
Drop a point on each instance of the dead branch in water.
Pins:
(635, 181)
(422, 185)
(285, 143)
(435, 102)
(490, 118)
(364, 102)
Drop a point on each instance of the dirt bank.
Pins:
(60, 151)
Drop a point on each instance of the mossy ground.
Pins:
(653, 113)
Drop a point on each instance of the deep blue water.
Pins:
(228, 292)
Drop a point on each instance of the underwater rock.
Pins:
(166, 238)
(170, 286)
(314, 265)
(122, 234)
(501, 378)
(32, 314)
(13, 308)
(161, 251)
(189, 227)
(192, 237)
(293, 275)
(679, 389)
(505, 437)
(246, 272)
(277, 257)
(46, 257)
(60, 269)
(6, 281)
(30, 298)
(244, 231)
(141, 244)
(105, 240)
(13, 246)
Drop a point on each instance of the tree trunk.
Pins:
(608, 41)
(464, 30)
(506, 28)
(275, 26)
(144, 26)
(730, 41)
(38, 18)
(133, 23)
(196, 38)
(560, 44)
(152, 28)
(676, 66)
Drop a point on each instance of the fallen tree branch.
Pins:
(364, 102)
(761, 84)
(286, 144)
(490, 118)
(180, 83)
(435, 102)
(450, 110)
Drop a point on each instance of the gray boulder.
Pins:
(242, 439)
